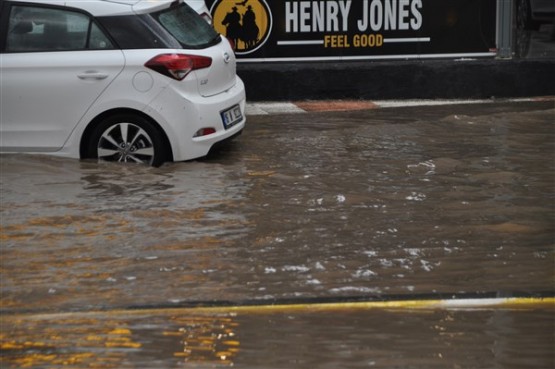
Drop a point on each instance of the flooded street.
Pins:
(100, 262)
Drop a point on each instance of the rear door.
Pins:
(55, 63)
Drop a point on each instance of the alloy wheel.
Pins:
(126, 142)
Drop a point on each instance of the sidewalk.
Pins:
(290, 107)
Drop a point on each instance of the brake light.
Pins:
(205, 132)
(178, 66)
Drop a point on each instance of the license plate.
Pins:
(231, 116)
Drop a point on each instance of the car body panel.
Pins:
(197, 112)
(43, 98)
(191, 111)
(221, 74)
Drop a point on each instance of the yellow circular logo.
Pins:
(246, 23)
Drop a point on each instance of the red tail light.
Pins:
(205, 132)
(178, 66)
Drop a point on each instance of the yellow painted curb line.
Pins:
(513, 303)
(518, 303)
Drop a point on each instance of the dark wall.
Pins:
(425, 79)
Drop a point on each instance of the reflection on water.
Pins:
(112, 340)
(282, 339)
(207, 339)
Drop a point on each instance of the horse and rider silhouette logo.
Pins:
(246, 23)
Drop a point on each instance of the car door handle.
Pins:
(92, 75)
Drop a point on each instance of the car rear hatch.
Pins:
(196, 37)
(221, 75)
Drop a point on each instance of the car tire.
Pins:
(128, 138)
(524, 16)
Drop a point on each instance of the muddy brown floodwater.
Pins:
(99, 261)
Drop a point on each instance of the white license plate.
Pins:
(231, 116)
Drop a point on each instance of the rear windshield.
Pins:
(175, 27)
(189, 28)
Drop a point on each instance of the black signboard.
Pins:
(273, 30)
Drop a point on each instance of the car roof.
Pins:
(110, 7)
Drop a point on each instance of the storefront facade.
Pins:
(389, 49)
(335, 30)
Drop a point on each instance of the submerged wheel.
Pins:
(127, 138)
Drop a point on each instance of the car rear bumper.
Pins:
(191, 113)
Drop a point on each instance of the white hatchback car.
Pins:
(120, 80)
